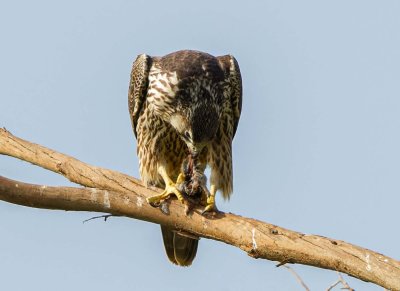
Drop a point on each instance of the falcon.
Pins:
(185, 108)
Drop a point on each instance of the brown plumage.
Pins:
(185, 103)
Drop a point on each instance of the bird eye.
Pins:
(187, 134)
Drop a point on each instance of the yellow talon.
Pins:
(170, 189)
(210, 206)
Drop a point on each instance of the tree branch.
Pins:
(120, 194)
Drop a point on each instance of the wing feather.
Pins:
(138, 87)
(233, 81)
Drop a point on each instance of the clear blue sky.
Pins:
(317, 148)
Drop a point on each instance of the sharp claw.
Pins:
(154, 204)
(155, 201)
(204, 212)
(210, 209)
(209, 213)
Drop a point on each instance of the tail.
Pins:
(181, 250)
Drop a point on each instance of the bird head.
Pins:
(196, 127)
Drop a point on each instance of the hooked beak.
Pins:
(195, 149)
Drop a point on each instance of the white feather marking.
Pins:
(177, 122)
(161, 85)
(174, 78)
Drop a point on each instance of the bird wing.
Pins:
(138, 87)
(233, 80)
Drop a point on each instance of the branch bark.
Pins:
(119, 194)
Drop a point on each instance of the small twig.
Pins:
(282, 263)
(298, 278)
(333, 285)
(106, 216)
(346, 286)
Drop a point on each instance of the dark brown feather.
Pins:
(181, 250)
(234, 81)
(138, 87)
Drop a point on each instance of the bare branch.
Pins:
(333, 285)
(346, 286)
(344, 283)
(298, 278)
(120, 194)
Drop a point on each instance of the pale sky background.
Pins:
(317, 148)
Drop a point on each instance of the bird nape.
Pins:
(185, 108)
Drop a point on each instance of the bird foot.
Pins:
(210, 208)
(170, 189)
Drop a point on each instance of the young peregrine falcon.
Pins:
(185, 103)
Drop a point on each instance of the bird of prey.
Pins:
(185, 103)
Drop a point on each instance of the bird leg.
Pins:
(210, 203)
(170, 188)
